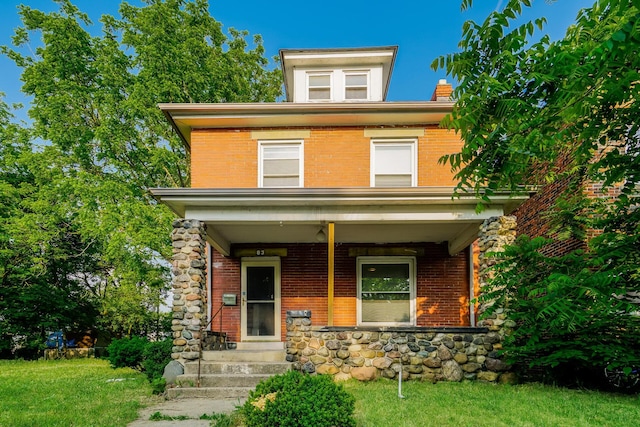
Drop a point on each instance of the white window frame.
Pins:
(331, 86)
(411, 261)
(281, 143)
(365, 72)
(404, 142)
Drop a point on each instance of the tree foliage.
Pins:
(523, 104)
(76, 179)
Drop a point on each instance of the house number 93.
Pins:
(260, 252)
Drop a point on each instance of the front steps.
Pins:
(228, 374)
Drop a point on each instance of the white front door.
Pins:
(260, 299)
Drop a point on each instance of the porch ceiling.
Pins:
(361, 215)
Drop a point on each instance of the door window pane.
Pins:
(260, 283)
(260, 319)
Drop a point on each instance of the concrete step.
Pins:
(222, 380)
(240, 393)
(236, 368)
(228, 374)
(260, 345)
(245, 355)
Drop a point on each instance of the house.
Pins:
(325, 227)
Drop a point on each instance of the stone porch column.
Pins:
(189, 288)
(495, 233)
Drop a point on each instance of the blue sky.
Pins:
(422, 30)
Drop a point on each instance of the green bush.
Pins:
(570, 319)
(155, 357)
(297, 400)
(127, 352)
(158, 385)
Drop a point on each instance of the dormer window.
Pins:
(337, 75)
(338, 85)
(319, 86)
(356, 85)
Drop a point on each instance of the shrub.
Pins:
(158, 385)
(127, 352)
(155, 357)
(571, 317)
(297, 400)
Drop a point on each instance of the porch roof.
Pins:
(360, 215)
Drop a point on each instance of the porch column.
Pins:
(495, 233)
(189, 288)
(331, 273)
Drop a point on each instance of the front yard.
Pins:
(89, 393)
(80, 392)
(481, 404)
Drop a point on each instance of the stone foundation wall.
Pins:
(189, 288)
(420, 354)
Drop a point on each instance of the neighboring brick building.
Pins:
(333, 202)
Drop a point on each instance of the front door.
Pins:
(260, 299)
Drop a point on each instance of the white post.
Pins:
(400, 383)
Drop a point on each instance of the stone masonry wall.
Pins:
(495, 233)
(420, 354)
(189, 288)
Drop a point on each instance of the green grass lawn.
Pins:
(87, 392)
(480, 404)
(81, 392)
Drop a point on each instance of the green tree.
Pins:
(523, 104)
(97, 141)
(42, 256)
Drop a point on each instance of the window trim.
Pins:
(330, 74)
(281, 143)
(367, 86)
(411, 261)
(411, 142)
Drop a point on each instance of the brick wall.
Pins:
(531, 214)
(442, 286)
(225, 276)
(223, 159)
(334, 157)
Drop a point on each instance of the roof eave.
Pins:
(185, 117)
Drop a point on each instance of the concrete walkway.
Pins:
(193, 408)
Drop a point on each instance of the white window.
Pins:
(338, 85)
(386, 291)
(281, 164)
(356, 86)
(393, 163)
(319, 86)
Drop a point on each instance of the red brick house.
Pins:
(330, 207)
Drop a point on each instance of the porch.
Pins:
(310, 249)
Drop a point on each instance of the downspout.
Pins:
(209, 284)
(331, 273)
(472, 306)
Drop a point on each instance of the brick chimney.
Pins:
(443, 91)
